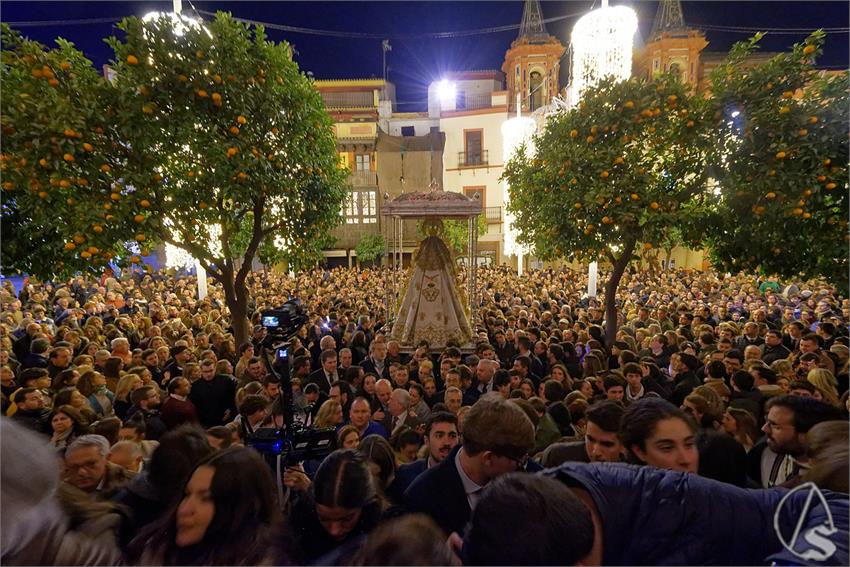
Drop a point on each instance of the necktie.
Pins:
(395, 423)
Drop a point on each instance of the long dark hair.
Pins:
(246, 528)
(641, 418)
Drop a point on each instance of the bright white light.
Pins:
(736, 113)
(602, 47)
(180, 22)
(515, 132)
(446, 91)
(179, 258)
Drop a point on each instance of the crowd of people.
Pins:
(131, 408)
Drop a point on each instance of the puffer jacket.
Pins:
(659, 517)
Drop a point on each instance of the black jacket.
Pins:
(439, 493)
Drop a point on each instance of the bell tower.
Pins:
(672, 46)
(532, 63)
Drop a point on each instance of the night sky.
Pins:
(416, 61)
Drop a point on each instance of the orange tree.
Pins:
(201, 133)
(614, 173)
(783, 143)
(56, 149)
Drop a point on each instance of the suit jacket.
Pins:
(369, 367)
(320, 379)
(439, 493)
(406, 420)
(404, 477)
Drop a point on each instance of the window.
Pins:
(363, 162)
(472, 143)
(461, 100)
(408, 131)
(535, 88)
(362, 208)
(470, 192)
(343, 160)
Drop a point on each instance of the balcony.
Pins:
(348, 100)
(493, 215)
(473, 159)
(473, 101)
(363, 179)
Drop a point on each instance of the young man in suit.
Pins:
(497, 436)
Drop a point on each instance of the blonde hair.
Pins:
(825, 382)
(124, 387)
(326, 412)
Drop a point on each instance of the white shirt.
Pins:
(472, 488)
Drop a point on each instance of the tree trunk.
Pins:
(618, 269)
(237, 301)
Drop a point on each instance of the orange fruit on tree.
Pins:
(97, 228)
(182, 78)
(618, 160)
(107, 206)
(147, 108)
(232, 152)
(813, 119)
(827, 161)
(241, 119)
(79, 238)
(654, 205)
(139, 218)
(85, 254)
(140, 237)
(606, 220)
(105, 168)
(37, 73)
(807, 192)
(604, 175)
(215, 97)
(64, 183)
(87, 147)
(82, 181)
(647, 246)
(821, 178)
(68, 157)
(43, 163)
(771, 195)
(71, 201)
(798, 211)
(115, 196)
(93, 249)
(42, 194)
(234, 130)
(217, 79)
(202, 93)
(689, 124)
(784, 110)
(809, 49)
(830, 185)
(629, 104)
(780, 155)
(802, 132)
(202, 205)
(144, 203)
(589, 139)
(573, 133)
(788, 94)
(672, 98)
(132, 60)
(807, 215)
(634, 196)
(70, 246)
(8, 185)
(577, 206)
(242, 176)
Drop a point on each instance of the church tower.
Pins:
(532, 63)
(671, 45)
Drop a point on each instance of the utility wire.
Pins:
(33, 23)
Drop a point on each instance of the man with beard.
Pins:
(441, 436)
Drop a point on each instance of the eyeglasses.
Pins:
(520, 463)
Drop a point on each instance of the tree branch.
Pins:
(256, 237)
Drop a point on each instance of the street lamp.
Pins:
(446, 91)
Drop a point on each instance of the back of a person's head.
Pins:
(607, 415)
(548, 524)
(496, 424)
(178, 452)
(829, 455)
(343, 479)
(722, 458)
(378, 450)
(414, 539)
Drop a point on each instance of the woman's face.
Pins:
(78, 400)
(338, 521)
(351, 441)
(338, 417)
(558, 374)
(729, 424)
(369, 384)
(672, 445)
(586, 389)
(98, 380)
(61, 423)
(526, 390)
(197, 509)
(430, 388)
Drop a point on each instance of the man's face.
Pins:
(33, 401)
(256, 370)
(383, 391)
(453, 401)
(732, 365)
(208, 372)
(442, 439)
(359, 413)
(151, 359)
(484, 372)
(379, 351)
(345, 358)
(634, 379)
(334, 393)
(401, 377)
(602, 446)
(183, 387)
(153, 399)
(430, 388)
(808, 345)
(452, 380)
(329, 365)
(395, 407)
(772, 339)
(62, 358)
(615, 393)
(85, 468)
(780, 432)
(522, 370)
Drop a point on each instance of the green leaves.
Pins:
(617, 169)
(782, 131)
(370, 247)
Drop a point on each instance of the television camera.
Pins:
(293, 442)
